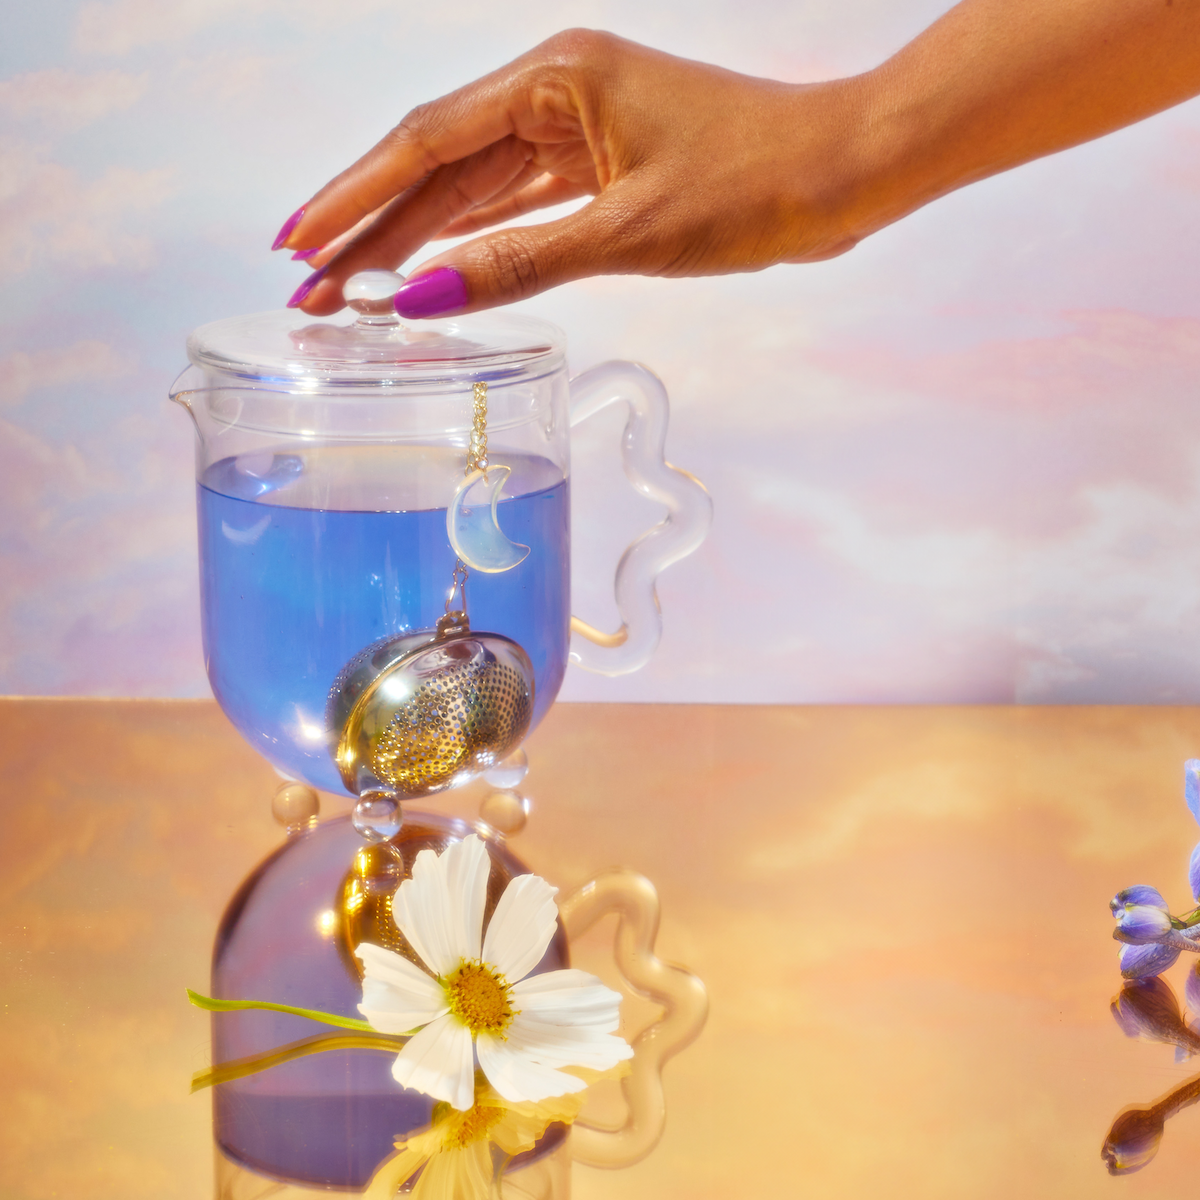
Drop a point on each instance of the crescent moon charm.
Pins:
(473, 529)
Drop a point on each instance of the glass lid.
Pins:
(369, 345)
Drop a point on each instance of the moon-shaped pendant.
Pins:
(473, 528)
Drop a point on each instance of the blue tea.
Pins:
(307, 557)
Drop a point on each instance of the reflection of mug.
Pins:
(329, 1119)
(329, 459)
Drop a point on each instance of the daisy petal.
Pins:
(567, 1045)
(438, 1061)
(467, 871)
(576, 995)
(397, 996)
(446, 892)
(518, 1076)
(458, 1174)
(521, 927)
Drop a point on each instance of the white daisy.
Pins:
(481, 1001)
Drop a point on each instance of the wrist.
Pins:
(886, 168)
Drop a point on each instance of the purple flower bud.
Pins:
(1140, 962)
(1194, 872)
(1140, 893)
(1142, 923)
(1191, 785)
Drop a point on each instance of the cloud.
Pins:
(68, 100)
(97, 591)
(231, 78)
(118, 27)
(21, 372)
(124, 25)
(48, 212)
(1182, 168)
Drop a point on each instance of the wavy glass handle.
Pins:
(689, 515)
(681, 994)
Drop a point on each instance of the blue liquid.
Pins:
(296, 580)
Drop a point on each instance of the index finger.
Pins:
(434, 134)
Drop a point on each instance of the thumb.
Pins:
(514, 264)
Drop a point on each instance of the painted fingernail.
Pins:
(306, 287)
(440, 291)
(288, 225)
(305, 255)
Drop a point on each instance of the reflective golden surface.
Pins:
(900, 913)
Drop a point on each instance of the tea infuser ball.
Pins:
(418, 713)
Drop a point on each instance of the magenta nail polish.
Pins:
(288, 226)
(305, 255)
(306, 287)
(441, 291)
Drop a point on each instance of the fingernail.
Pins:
(306, 287)
(288, 225)
(305, 255)
(440, 291)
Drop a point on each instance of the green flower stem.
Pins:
(239, 1068)
(207, 1002)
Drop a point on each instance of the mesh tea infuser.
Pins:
(416, 713)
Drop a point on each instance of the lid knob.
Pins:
(370, 294)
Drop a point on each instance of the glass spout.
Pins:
(187, 383)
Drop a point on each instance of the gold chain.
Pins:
(459, 587)
(476, 461)
(477, 455)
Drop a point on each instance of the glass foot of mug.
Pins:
(377, 816)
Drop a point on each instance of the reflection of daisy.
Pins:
(524, 1027)
(456, 1150)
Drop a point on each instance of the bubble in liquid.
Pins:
(509, 772)
(506, 812)
(377, 817)
(295, 806)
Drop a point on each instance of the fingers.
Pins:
(544, 192)
(607, 237)
(455, 127)
(412, 218)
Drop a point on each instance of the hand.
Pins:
(695, 170)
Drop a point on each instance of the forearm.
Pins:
(996, 83)
(696, 170)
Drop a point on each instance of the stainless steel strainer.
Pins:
(421, 712)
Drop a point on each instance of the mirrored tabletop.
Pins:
(901, 916)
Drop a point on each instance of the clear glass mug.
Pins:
(334, 504)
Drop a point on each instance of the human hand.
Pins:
(694, 170)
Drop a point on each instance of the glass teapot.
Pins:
(384, 531)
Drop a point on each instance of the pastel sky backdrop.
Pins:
(960, 464)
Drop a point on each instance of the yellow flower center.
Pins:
(479, 997)
(463, 1129)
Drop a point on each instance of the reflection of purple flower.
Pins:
(1191, 999)
(1140, 962)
